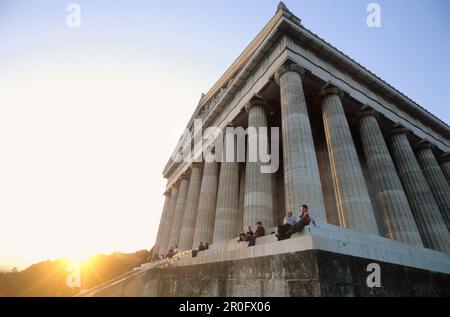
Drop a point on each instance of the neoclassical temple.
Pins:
(372, 165)
(358, 152)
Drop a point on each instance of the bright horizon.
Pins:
(90, 116)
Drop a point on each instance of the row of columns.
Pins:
(428, 217)
(352, 197)
(389, 195)
(411, 189)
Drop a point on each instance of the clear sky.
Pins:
(89, 116)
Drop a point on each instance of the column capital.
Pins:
(397, 129)
(229, 125)
(257, 100)
(168, 192)
(196, 165)
(423, 145)
(289, 68)
(443, 158)
(175, 184)
(330, 89)
(367, 111)
(186, 175)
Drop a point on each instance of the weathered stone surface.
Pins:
(344, 276)
(308, 273)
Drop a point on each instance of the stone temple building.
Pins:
(373, 165)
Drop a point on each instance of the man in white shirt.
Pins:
(288, 222)
(306, 218)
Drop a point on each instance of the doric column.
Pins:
(168, 227)
(389, 193)
(190, 213)
(258, 203)
(162, 224)
(301, 171)
(426, 211)
(179, 211)
(275, 199)
(436, 179)
(204, 223)
(352, 197)
(240, 218)
(227, 209)
(445, 166)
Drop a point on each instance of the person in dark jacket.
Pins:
(249, 233)
(171, 252)
(242, 237)
(201, 247)
(259, 232)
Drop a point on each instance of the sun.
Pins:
(80, 260)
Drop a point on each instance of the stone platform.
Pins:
(321, 261)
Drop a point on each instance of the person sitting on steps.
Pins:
(201, 247)
(171, 252)
(306, 218)
(249, 234)
(259, 232)
(288, 222)
(242, 237)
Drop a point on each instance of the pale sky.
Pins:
(89, 116)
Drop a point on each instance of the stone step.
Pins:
(330, 238)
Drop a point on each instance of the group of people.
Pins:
(291, 224)
(172, 251)
(201, 247)
(251, 236)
